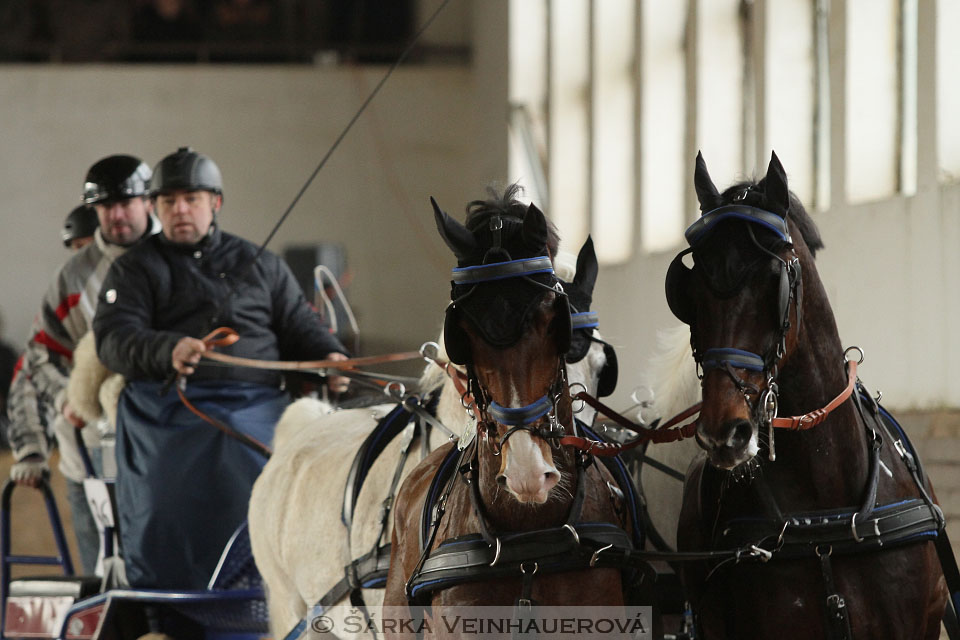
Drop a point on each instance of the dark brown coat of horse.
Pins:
(732, 299)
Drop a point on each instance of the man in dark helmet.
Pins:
(116, 187)
(79, 226)
(182, 485)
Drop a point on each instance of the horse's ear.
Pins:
(707, 192)
(457, 237)
(775, 186)
(587, 268)
(534, 228)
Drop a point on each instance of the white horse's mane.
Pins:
(671, 373)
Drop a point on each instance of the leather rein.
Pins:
(225, 336)
(665, 432)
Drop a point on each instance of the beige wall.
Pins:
(890, 268)
(891, 272)
(267, 128)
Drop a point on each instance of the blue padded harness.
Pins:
(519, 416)
(501, 270)
(585, 320)
(736, 358)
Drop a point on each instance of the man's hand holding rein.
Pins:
(186, 354)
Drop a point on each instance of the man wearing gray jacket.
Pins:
(117, 187)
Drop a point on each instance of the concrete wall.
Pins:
(891, 271)
(267, 128)
(890, 267)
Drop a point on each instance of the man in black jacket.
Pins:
(183, 486)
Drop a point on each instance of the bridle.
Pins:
(729, 360)
(540, 417)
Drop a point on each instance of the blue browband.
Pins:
(584, 320)
(501, 270)
(738, 359)
(521, 415)
(705, 224)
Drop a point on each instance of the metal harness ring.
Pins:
(853, 348)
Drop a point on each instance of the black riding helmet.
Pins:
(80, 223)
(186, 169)
(116, 177)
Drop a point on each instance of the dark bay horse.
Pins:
(830, 500)
(514, 490)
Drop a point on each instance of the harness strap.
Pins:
(584, 320)
(471, 558)
(812, 419)
(502, 270)
(837, 618)
(948, 562)
(367, 572)
(661, 434)
(523, 607)
(796, 536)
(520, 416)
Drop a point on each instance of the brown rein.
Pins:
(664, 433)
(224, 336)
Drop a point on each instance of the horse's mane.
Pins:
(507, 204)
(798, 214)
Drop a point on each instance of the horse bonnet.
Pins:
(500, 296)
(678, 282)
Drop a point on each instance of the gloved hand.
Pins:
(29, 471)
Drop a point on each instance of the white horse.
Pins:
(672, 376)
(298, 539)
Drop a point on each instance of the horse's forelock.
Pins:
(507, 205)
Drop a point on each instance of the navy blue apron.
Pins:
(183, 485)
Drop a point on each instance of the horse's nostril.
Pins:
(740, 433)
(502, 481)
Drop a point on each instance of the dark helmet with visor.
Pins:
(116, 177)
(186, 169)
(80, 223)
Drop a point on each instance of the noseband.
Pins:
(539, 418)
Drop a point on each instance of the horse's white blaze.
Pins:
(529, 477)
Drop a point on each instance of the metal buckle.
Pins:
(496, 554)
(596, 554)
(853, 528)
(763, 554)
(898, 445)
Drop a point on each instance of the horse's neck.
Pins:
(828, 463)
